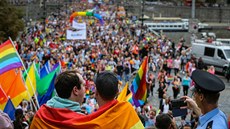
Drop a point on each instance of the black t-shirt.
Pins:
(119, 69)
(160, 92)
(127, 70)
(19, 125)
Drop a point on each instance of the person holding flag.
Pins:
(119, 111)
(70, 88)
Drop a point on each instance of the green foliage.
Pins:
(11, 22)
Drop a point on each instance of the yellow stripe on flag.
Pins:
(7, 52)
(31, 83)
(2, 106)
(138, 125)
(122, 95)
(18, 99)
(140, 72)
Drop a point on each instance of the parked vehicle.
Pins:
(215, 53)
(223, 41)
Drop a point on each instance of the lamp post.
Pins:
(66, 5)
(44, 8)
(142, 13)
(193, 9)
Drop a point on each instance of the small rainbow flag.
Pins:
(8, 57)
(139, 85)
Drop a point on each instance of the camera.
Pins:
(177, 103)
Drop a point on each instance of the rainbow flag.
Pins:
(133, 101)
(139, 85)
(113, 115)
(8, 57)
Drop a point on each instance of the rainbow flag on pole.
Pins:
(139, 85)
(8, 57)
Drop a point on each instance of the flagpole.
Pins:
(36, 99)
(30, 95)
(36, 68)
(59, 61)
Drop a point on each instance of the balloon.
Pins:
(73, 15)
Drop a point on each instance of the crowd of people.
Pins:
(118, 47)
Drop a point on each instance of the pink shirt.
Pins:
(211, 71)
(170, 63)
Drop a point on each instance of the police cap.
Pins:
(207, 82)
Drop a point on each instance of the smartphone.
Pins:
(177, 103)
(176, 107)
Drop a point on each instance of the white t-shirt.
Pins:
(165, 108)
(177, 63)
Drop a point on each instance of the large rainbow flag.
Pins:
(139, 85)
(8, 57)
(113, 115)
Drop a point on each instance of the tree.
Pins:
(11, 22)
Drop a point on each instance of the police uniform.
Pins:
(209, 83)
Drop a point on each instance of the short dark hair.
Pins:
(65, 82)
(107, 85)
(211, 98)
(163, 121)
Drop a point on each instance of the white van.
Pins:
(224, 41)
(215, 54)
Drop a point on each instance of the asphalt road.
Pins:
(224, 100)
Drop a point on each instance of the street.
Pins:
(224, 101)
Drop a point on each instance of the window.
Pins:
(220, 54)
(227, 53)
(209, 51)
(226, 42)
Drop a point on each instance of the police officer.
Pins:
(206, 95)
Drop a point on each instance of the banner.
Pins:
(79, 34)
(79, 26)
